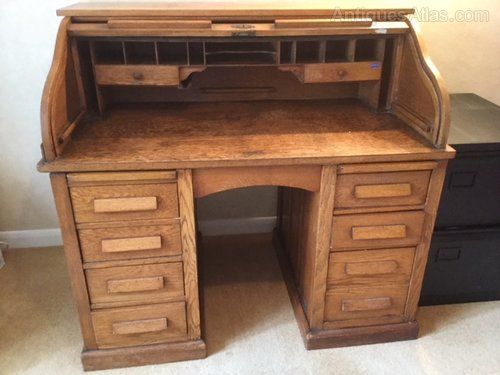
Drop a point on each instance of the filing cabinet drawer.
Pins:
(367, 231)
(382, 189)
(366, 305)
(130, 242)
(370, 267)
(124, 202)
(135, 284)
(144, 325)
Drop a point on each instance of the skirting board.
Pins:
(52, 237)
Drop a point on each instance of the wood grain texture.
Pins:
(152, 283)
(322, 22)
(378, 230)
(73, 257)
(82, 179)
(143, 355)
(57, 109)
(386, 167)
(255, 133)
(422, 251)
(382, 189)
(140, 326)
(189, 252)
(370, 267)
(336, 72)
(214, 180)
(120, 243)
(84, 200)
(105, 322)
(319, 247)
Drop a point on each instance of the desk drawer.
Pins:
(124, 202)
(130, 242)
(140, 325)
(370, 267)
(365, 231)
(382, 189)
(135, 284)
(366, 305)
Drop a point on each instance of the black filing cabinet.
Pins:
(464, 259)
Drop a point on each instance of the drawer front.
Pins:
(135, 284)
(382, 189)
(370, 267)
(124, 202)
(149, 75)
(142, 325)
(367, 231)
(130, 242)
(367, 304)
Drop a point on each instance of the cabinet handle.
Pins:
(140, 326)
(382, 191)
(136, 285)
(379, 232)
(111, 205)
(371, 268)
(366, 304)
(131, 244)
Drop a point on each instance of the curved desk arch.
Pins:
(214, 180)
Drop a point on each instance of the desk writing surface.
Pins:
(196, 135)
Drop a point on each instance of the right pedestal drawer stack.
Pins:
(379, 241)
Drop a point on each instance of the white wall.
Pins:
(468, 55)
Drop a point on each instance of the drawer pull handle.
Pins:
(111, 205)
(379, 232)
(131, 244)
(366, 304)
(371, 268)
(140, 326)
(136, 285)
(382, 191)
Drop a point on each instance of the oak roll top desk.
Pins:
(149, 106)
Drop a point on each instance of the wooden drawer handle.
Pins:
(140, 326)
(371, 268)
(120, 245)
(136, 285)
(366, 304)
(110, 205)
(382, 191)
(379, 232)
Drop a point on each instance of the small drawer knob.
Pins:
(138, 76)
(341, 73)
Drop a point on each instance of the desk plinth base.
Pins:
(103, 359)
(335, 338)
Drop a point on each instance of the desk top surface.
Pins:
(232, 8)
(196, 135)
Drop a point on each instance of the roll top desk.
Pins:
(149, 106)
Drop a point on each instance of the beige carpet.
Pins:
(250, 327)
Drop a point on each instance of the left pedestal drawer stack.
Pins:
(123, 237)
(129, 231)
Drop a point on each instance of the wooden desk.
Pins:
(148, 107)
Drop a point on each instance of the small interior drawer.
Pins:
(365, 231)
(366, 305)
(130, 242)
(382, 189)
(370, 266)
(124, 202)
(147, 75)
(135, 284)
(140, 325)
